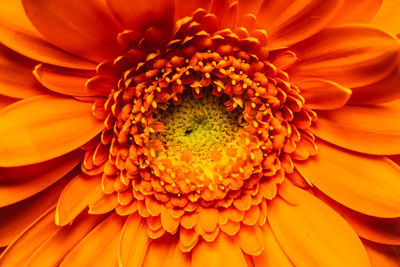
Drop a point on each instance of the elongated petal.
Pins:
(65, 81)
(99, 247)
(133, 242)
(353, 11)
(381, 255)
(380, 230)
(28, 172)
(15, 218)
(16, 78)
(387, 16)
(222, 252)
(350, 55)
(385, 90)
(367, 184)
(44, 127)
(297, 20)
(12, 192)
(273, 255)
(366, 129)
(29, 240)
(21, 36)
(322, 94)
(141, 15)
(53, 250)
(312, 234)
(76, 196)
(84, 28)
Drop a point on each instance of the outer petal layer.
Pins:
(15, 218)
(366, 129)
(29, 240)
(388, 16)
(351, 55)
(355, 11)
(385, 90)
(84, 28)
(297, 20)
(44, 127)
(99, 247)
(16, 78)
(312, 234)
(380, 230)
(370, 185)
(21, 36)
(12, 192)
(323, 94)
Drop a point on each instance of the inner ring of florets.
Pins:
(169, 176)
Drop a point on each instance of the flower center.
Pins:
(199, 132)
(198, 125)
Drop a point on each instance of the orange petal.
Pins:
(21, 36)
(381, 255)
(44, 127)
(12, 192)
(353, 11)
(323, 94)
(250, 239)
(208, 218)
(105, 204)
(388, 16)
(169, 223)
(29, 240)
(99, 247)
(185, 8)
(273, 254)
(297, 20)
(84, 28)
(18, 174)
(330, 54)
(53, 250)
(76, 196)
(366, 129)
(15, 218)
(16, 78)
(222, 252)
(367, 184)
(380, 230)
(65, 81)
(141, 15)
(385, 90)
(310, 240)
(133, 242)
(159, 251)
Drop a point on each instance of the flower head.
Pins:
(248, 133)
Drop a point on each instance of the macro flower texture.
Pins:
(199, 133)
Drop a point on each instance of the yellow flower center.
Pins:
(197, 126)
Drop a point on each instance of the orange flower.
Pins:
(202, 133)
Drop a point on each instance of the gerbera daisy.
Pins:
(199, 133)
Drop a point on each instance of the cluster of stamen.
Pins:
(152, 159)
